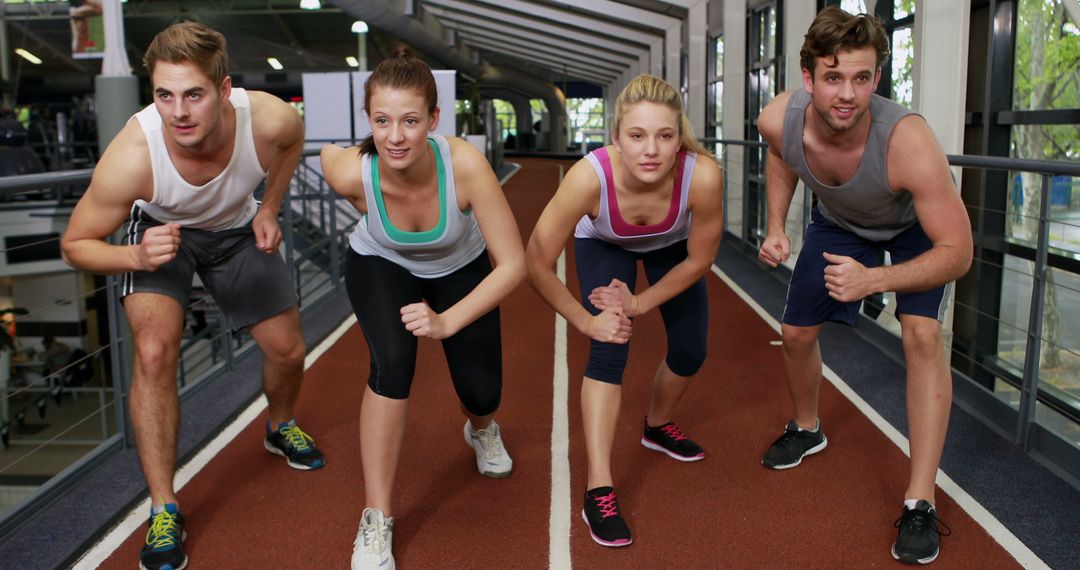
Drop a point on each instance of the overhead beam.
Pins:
(573, 19)
(556, 52)
(458, 21)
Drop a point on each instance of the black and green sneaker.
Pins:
(164, 548)
(297, 447)
(918, 539)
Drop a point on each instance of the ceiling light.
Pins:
(310, 4)
(352, 61)
(359, 27)
(273, 61)
(28, 56)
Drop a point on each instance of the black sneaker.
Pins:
(917, 541)
(164, 548)
(670, 440)
(788, 451)
(601, 513)
(296, 446)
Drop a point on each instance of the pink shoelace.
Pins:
(608, 507)
(674, 431)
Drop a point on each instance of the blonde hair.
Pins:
(652, 89)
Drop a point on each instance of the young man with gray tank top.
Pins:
(883, 185)
(182, 172)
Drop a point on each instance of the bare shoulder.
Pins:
(771, 119)
(341, 167)
(915, 158)
(468, 160)
(124, 173)
(582, 178)
(274, 120)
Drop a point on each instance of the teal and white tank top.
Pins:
(453, 243)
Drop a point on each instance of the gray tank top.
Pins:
(863, 205)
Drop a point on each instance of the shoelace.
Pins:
(162, 532)
(788, 438)
(918, 521)
(491, 444)
(607, 504)
(372, 537)
(674, 432)
(296, 438)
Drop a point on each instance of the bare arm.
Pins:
(342, 169)
(279, 138)
(578, 195)
(122, 176)
(918, 165)
(780, 183)
(481, 191)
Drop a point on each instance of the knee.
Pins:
(289, 354)
(686, 360)
(481, 402)
(798, 339)
(156, 356)
(921, 336)
(392, 375)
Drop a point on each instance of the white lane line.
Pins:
(560, 516)
(137, 516)
(559, 526)
(1013, 545)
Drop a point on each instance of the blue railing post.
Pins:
(1029, 390)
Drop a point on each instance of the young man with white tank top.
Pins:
(883, 185)
(182, 172)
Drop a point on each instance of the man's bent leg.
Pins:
(929, 398)
(283, 348)
(156, 324)
(802, 368)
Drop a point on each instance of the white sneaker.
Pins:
(371, 549)
(492, 460)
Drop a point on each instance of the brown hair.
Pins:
(402, 70)
(652, 89)
(835, 30)
(190, 42)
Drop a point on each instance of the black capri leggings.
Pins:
(378, 288)
(686, 315)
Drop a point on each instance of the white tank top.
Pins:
(224, 203)
(609, 225)
(453, 243)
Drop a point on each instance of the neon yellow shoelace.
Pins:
(162, 531)
(297, 438)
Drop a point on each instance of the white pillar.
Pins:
(734, 116)
(697, 27)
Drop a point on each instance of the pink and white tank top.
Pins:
(610, 226)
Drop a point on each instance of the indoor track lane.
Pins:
(246, 509)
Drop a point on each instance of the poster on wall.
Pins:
(87, 29)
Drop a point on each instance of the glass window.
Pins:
(719, 47)
(1047, 60)
(585, 114)
(903, 9)
(903, 54)
(853, 6)
(504, 113)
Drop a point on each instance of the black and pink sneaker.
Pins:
(670, 440)
(601, 513)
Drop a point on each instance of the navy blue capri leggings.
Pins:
(379, 288)
(686, 315)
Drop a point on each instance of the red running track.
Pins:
(247, 509)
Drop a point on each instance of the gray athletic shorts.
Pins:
(247, 284)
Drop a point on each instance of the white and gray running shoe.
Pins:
(372, 547)
(492, 460)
